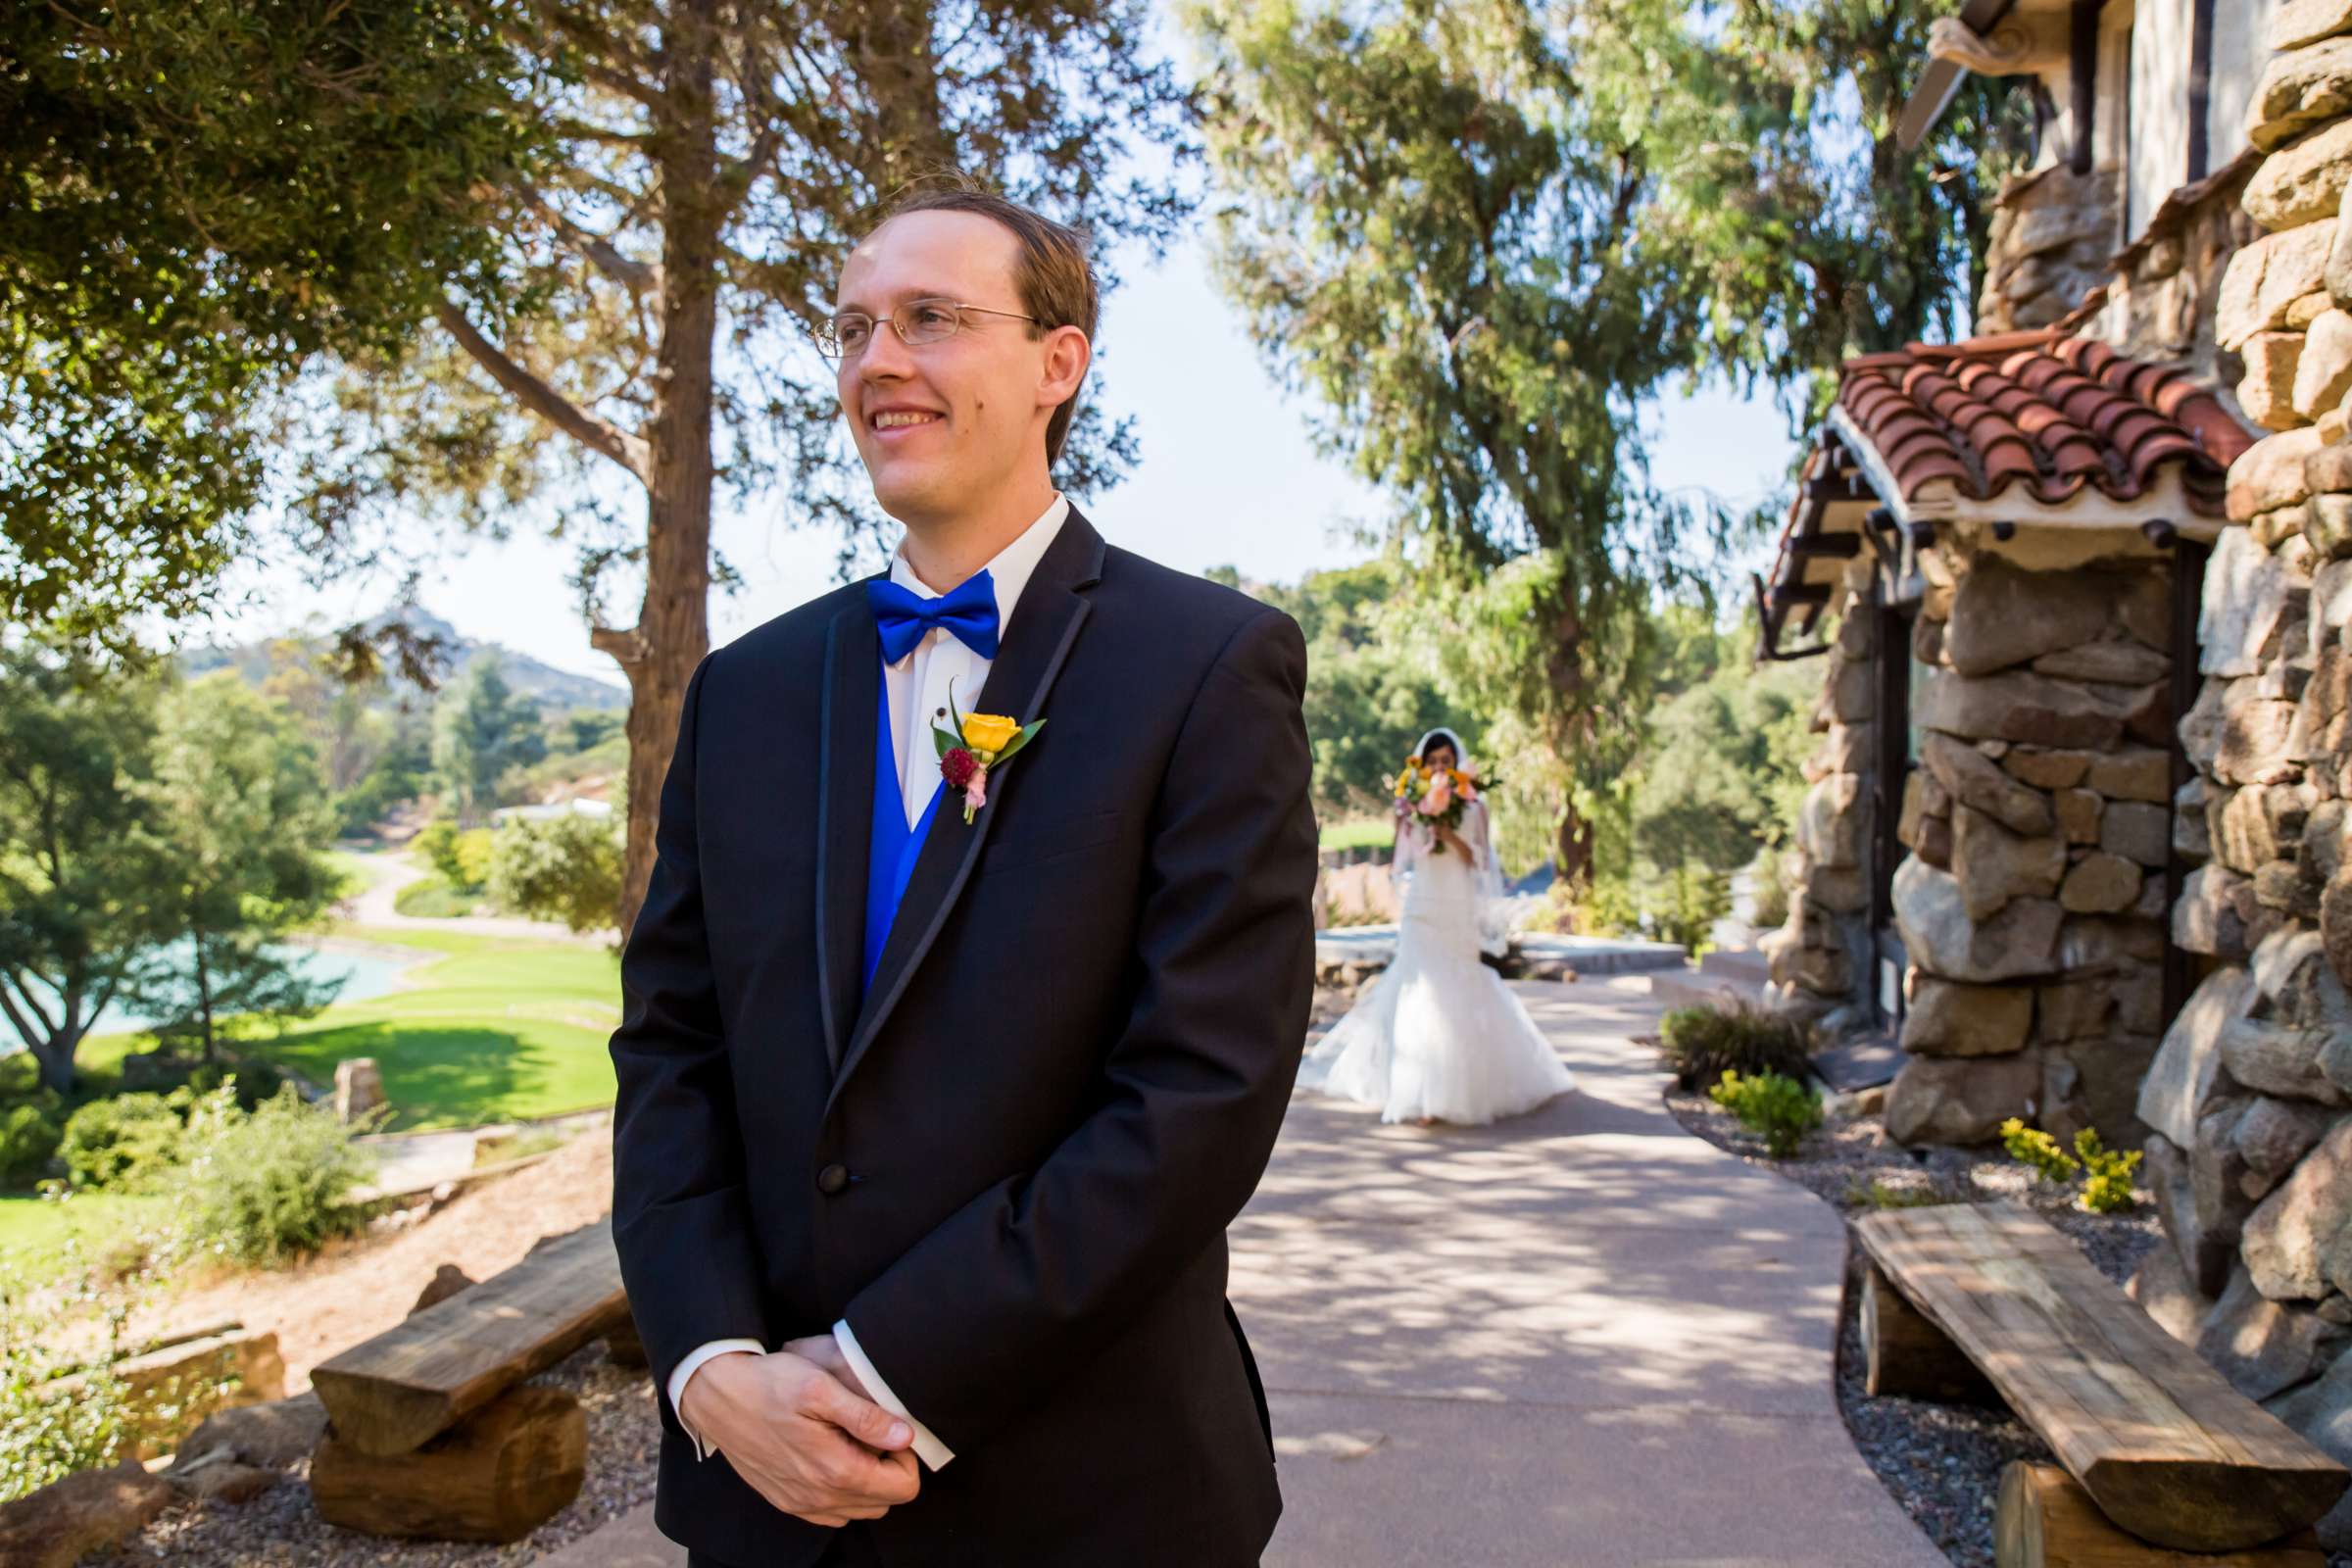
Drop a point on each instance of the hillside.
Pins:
(555, 689)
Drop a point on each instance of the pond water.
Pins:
(364, 973)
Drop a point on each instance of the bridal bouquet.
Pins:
(1436, 795)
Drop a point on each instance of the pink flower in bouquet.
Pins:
(1440, 797)
(975, 792)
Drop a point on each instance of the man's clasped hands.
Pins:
(797, 1425)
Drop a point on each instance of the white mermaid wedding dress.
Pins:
(1437, 1034)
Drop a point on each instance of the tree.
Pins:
(1817, 234)
(201, 199)
(81, 860)
(239, 797)
(1370, 696)
(563, 868)
(1433, 221)
(1485, 234)
(716, 159)
(481, 729)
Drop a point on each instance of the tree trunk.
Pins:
(203, 993)
(56, 1062)
(1572, 847)
(659, 655)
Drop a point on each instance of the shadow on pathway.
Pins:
(1580, 1338)
(1583, 1336)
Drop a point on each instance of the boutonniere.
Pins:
(976, 745)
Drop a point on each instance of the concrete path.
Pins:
(1582, 1336)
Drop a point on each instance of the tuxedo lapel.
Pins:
(845, 773)
(1045, 623)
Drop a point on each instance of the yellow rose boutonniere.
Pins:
(975, 745)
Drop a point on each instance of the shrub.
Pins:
(436, 844)
(44, 1437)
(29, 1135)
(267, 1184)
(2106, 1189)
(567, 868)
(125, 1142)
(1700, 1044)
(2030, 1146)
(432, 898)
(1779, 1107)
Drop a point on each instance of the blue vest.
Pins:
(890, 862)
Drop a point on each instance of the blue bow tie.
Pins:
(904, 615)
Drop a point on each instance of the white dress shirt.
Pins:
(918, 687)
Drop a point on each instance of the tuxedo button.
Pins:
(832, 1179)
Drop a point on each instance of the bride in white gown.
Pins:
(1437, 1036)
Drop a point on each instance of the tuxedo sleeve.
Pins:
(679, 1217)
(1041, 1271)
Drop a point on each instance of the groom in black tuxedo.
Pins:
(929, 1130)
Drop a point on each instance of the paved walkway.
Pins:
(1581, 1336)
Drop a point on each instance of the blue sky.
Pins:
(1228, 475)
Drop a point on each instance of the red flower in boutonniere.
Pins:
(975, 745)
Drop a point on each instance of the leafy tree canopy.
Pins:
(197, 197)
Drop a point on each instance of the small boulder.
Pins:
(1937, 1100)
(447, 1280)
(2321, 1411)
(2263, 1347)
(2180, 1081)
(1947, 1018)
(2298, 1245)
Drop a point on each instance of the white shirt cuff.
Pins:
(934, 1453)
(693, 1364)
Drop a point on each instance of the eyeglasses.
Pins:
(917, 322)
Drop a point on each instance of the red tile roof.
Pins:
(2034, 409)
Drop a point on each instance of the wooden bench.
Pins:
(428, 1433)
(2159, 1440)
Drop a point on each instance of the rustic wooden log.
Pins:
(396, 1391)
(1907, 1357)
(624, 1346)
(2047, 1520)
(495, 1476)
(2168, 1449)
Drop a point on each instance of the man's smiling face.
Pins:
(941, 423)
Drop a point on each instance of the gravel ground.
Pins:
(281, 1529)
(1941, 1462)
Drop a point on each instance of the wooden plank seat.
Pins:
(2047, 1520)
(397, 1391)
(2165, 1447)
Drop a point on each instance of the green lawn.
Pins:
(33, 1233)
(492, 1029)
(1375, 832)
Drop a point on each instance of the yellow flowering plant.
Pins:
(975, 745)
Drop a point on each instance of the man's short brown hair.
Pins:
(1052, 273)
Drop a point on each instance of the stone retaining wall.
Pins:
(2032, 903)
(1820, 960)
(2250, 1150)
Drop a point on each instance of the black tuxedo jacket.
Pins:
(1010, 1162)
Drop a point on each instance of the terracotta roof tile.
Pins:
(2055, 414)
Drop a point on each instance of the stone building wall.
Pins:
(2053, 234)
(1820, 960)
(2160, 303)
(2249, 1099)
(2032, 904)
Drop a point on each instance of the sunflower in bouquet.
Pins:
(1438, 795)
